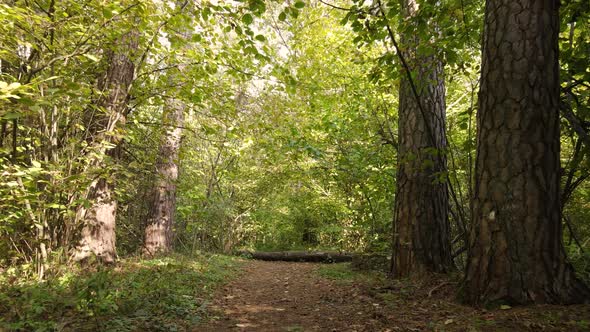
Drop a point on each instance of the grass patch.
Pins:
(340, 271)
(162, 294)
(343, 272)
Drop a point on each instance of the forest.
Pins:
(151, 150)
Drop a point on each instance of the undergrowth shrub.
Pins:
(163, 294)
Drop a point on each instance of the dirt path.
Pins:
(281, 296)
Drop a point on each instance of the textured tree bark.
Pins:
(516, 253)
(158, 237)
(422, 240)
(160, 220)
(98, 232)
(98, 221)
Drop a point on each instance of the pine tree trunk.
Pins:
(516, 253)
(422, 240)
(160, 221)
(98, 221)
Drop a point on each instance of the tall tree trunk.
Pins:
(98, 221)
(160, 218)
(422, 240)
(158, 233)
(516, 253)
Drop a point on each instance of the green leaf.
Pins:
(11, 116)
(345, 19)
(248, 19)
(55, 206)
(299, 4)
(91, 57)
(260, 38)
(197, 38)
(282, 16)
(107, 13)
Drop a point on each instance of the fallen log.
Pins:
(300, 256)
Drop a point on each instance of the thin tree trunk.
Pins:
(516, 254)
(160, 218)
(160, 221)
(422, 242)
(98, 221)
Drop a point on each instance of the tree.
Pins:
(102, 120)
(422, 240)
(158, 233)
(516, 253)
(160, 218)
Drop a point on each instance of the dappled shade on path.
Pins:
(281, 296)
(285, 296)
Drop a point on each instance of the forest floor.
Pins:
(281, 296)
(156, 295)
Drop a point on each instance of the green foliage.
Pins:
(575, 93)
(296, 160)
(290, 135)
(577, 233)
(52, 56)
(341, 272)
(164, 294)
